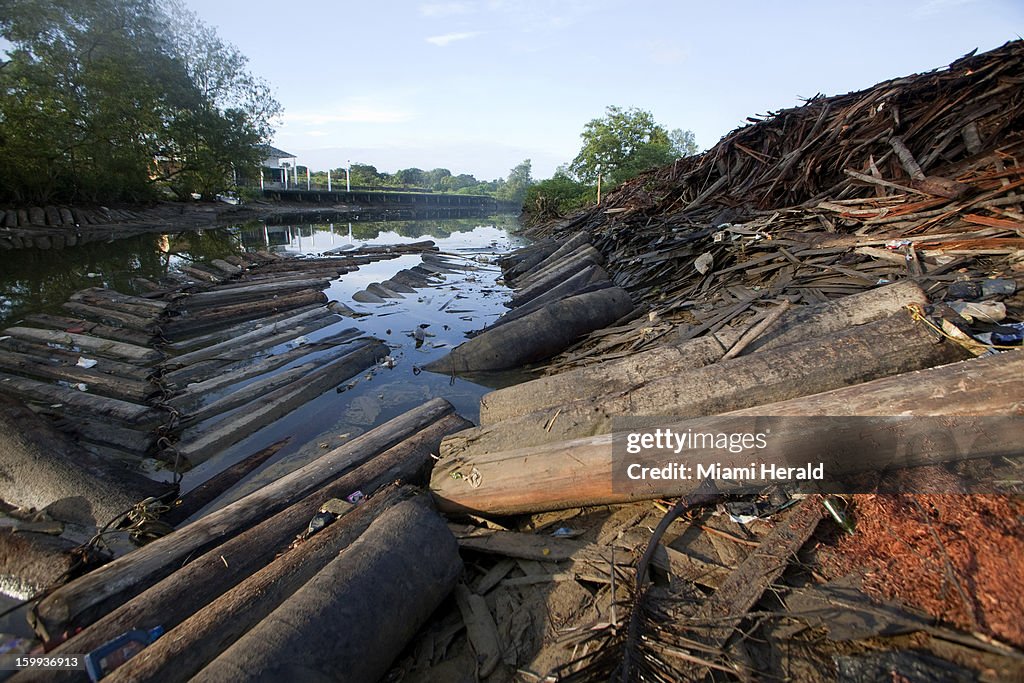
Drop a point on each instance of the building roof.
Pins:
(271, 152)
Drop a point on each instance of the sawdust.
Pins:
(959, 558)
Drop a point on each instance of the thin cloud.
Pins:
(351, 112)
(448, 38)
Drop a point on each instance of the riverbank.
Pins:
(54, 227)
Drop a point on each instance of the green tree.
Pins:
(625, 142)
(519, 180)
(410, 177)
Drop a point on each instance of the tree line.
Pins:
(616, 147)
(123, 100)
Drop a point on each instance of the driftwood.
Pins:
(567, 474)
(886, 347)
(97, 593)
(633, 371)
(538, 335)
(211, 338)
(43, 468)
(205, 440)
(369, 585)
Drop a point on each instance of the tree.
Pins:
(625, 142)
(410, 177)
(107, 99)
(519, 180)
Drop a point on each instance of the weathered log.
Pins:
(633, 371)
(258, 339)
(104, 347)
(43, 468)
(360, 610)
(99, 383)
(109, 298)
(111, 317)
(524, 259)
(204, 441)
(103, 432)
(225, 267)
(226, 296)
(590, 279)
(214, 318)
(43, 353)
(538, 335)
(75, 401)
(199, 274)
(243, 369)
(580, 472)
(886, 347)
(198, 640)
(202, 341)
(556, 257)
(60, 322)
(190, 590)
(535, 283)
(195, 500)
(86, 599)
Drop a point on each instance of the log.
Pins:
(111, 317)
(886, 347)
(241, 370)
(60, 322)
(105, 347)
(43, 468)
(32, 562)
(234, 566)
(633, 371)
(199, 274)
(202, 341)
(579, 283)
(99, 383)
(206, 440)
(43, 353)
(558, 256)
(359, 611)
(580, 472)
(557, 274)
(246, 344)
(225, 267)
(226, 296)
(214, 318)
(75, 401)
(538, 335)
(109, 298)
(84, 600)
(524, 259)
(195, 500)
(198, 640)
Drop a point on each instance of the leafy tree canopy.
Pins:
(625, 142)
(107, 100)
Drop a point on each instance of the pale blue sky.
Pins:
(477, 86)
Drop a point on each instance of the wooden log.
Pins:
(199, 639)
(204, 340)
(32, 562)
(539, 288)
(225, 267)
(99, 383)
(243, 369)
(537, 336)
(886, 347)
(580, 472)
(111, 317)
(90, 430)
(260, 338)
(559, 255)
(43, 353)
(219, 297)
(86, 599)
(214, 318)
(590, 279)
(249, 393)
(103, 347)
(60, 322)
(199, 274)
(109, 298)
(557, 261)
(45, 469)
(528, 286)
(76, 401)
(195, 500)
(526, 258)
(633, 371)
(369, 585)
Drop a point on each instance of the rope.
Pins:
(918, 314)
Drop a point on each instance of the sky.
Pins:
(476, 86)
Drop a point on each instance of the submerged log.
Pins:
(886, 347)
(538, 335)
(589, 279)
(580, 472)
(524, 269)
(587, 257)
(633, 371)
(43, 468)
(84, 600)
(60, 322)
(359, 611)
(204, 340)
(205, 440)
(112, 317)
(46, 354)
